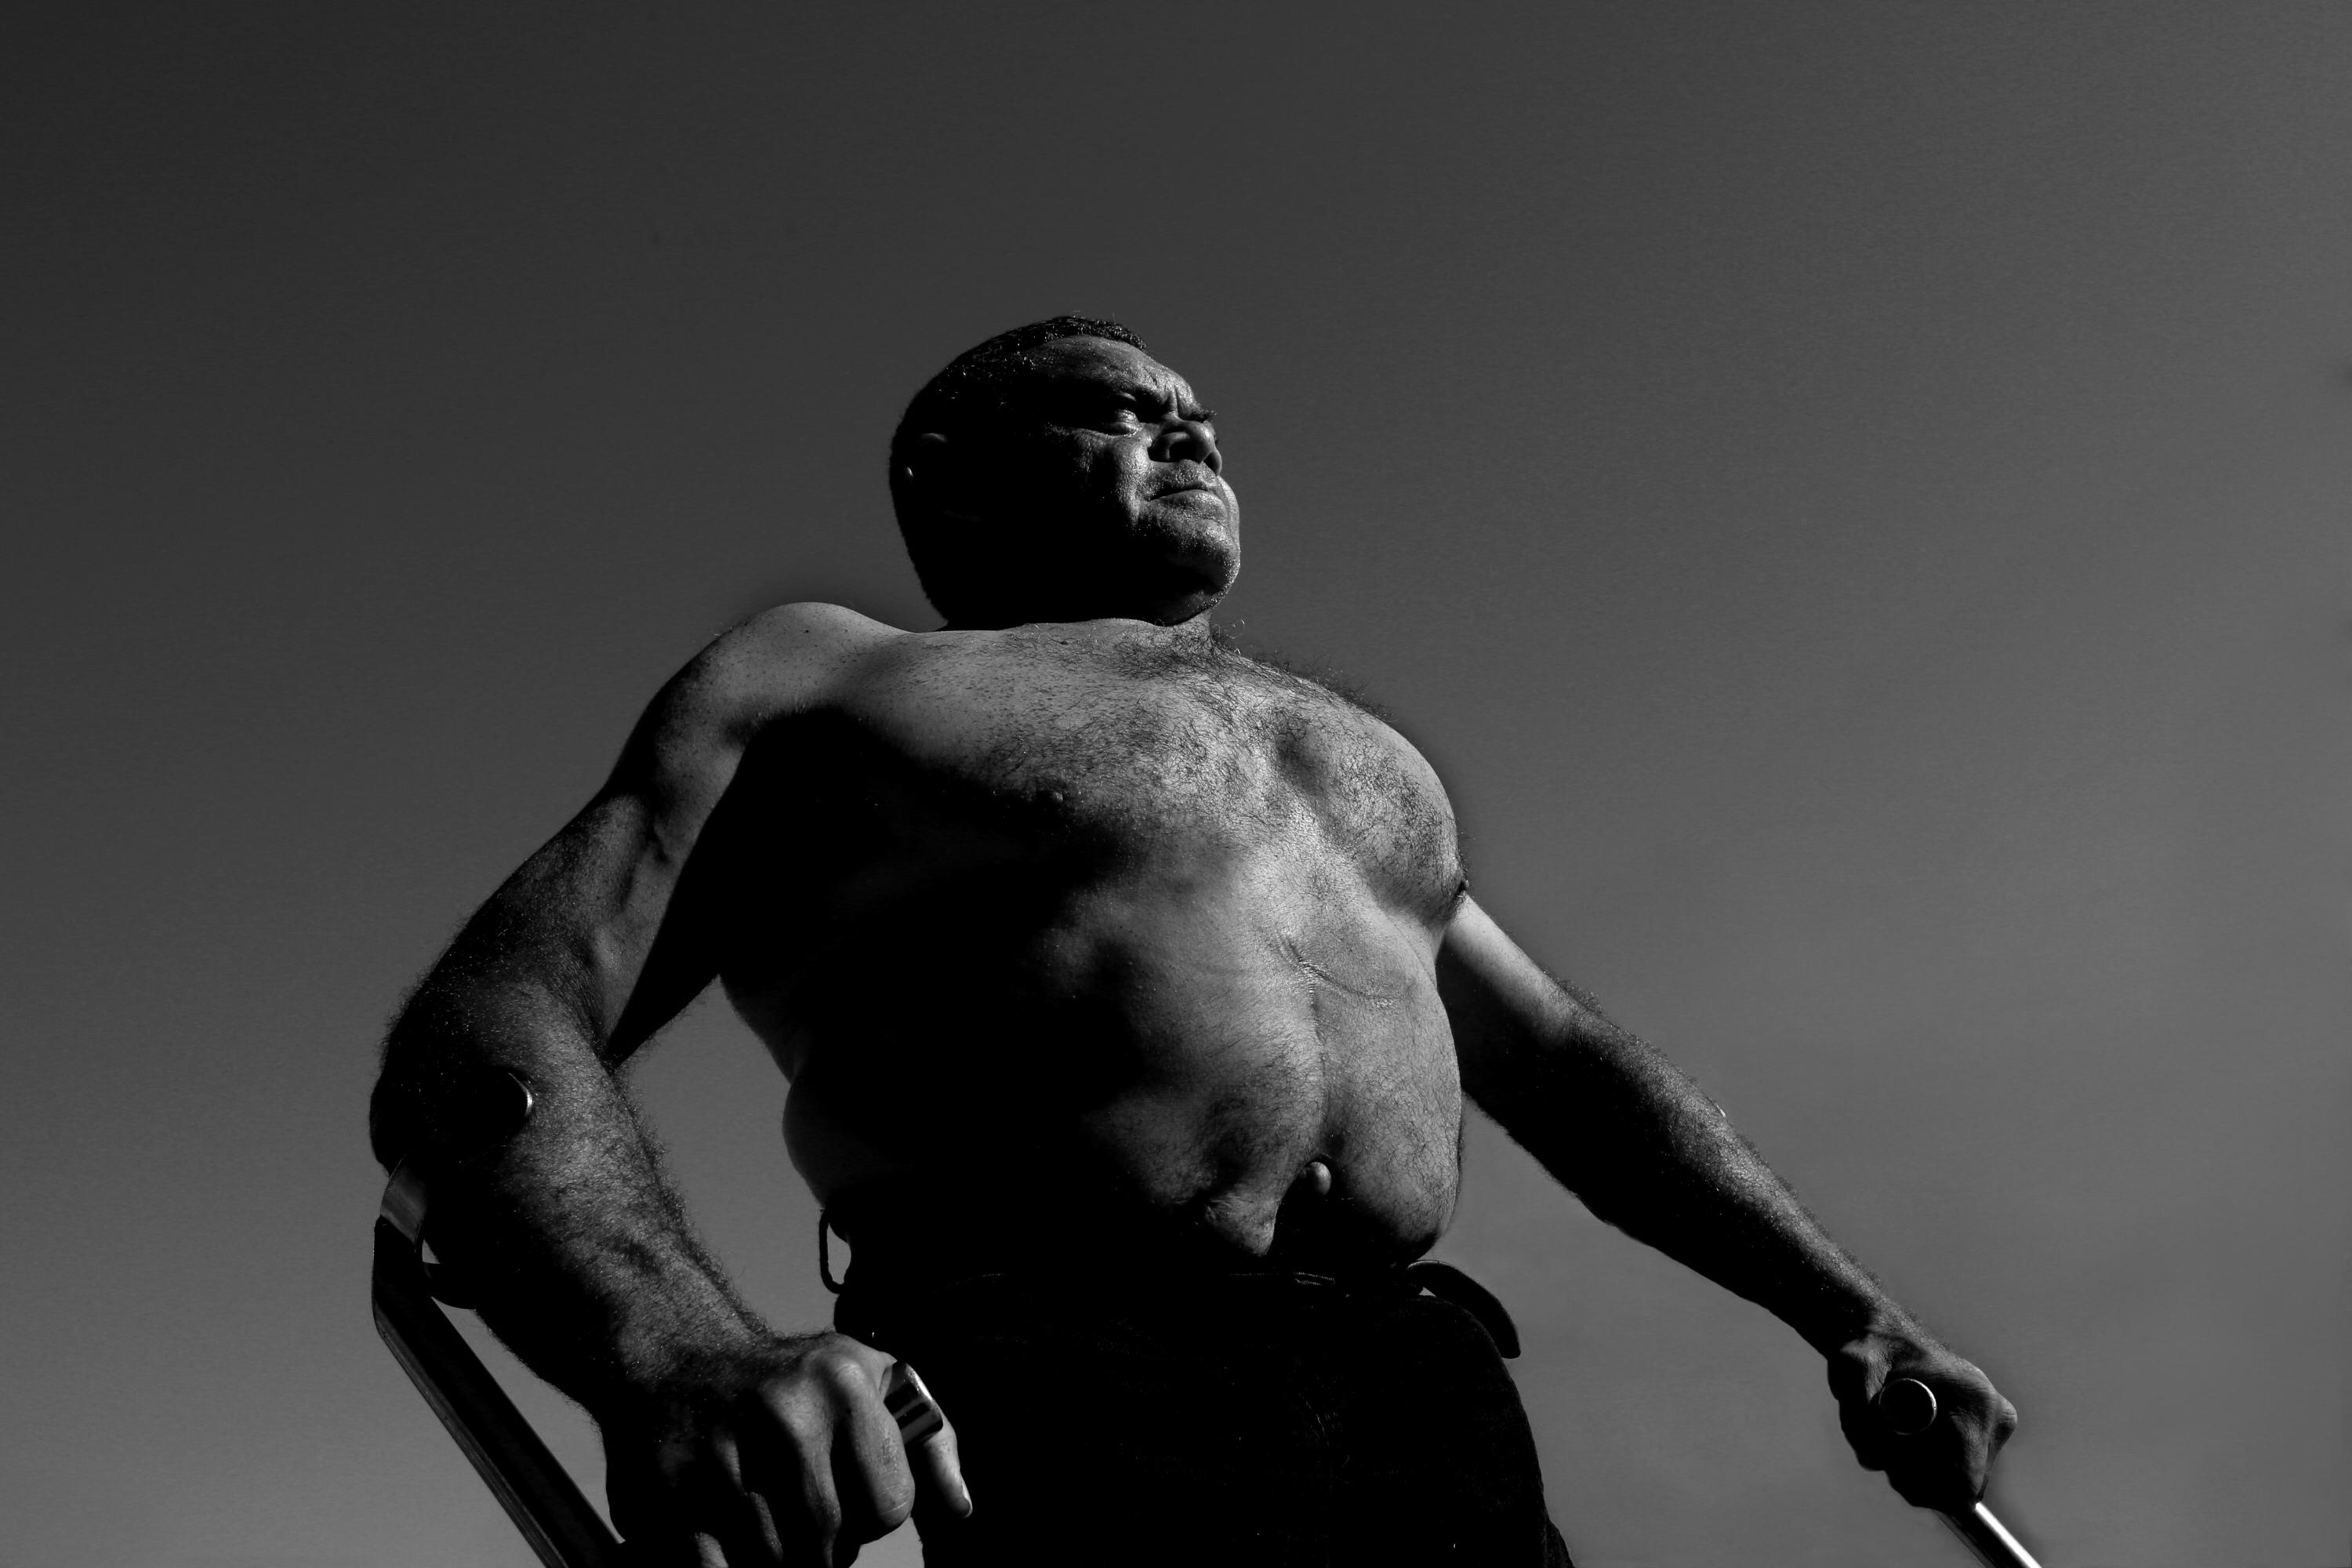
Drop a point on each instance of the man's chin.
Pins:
(1195, 523)
(1203, 536)
(1193, 589)
(1189, 608)
(1209, 564)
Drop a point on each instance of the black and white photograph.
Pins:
(1021, 783)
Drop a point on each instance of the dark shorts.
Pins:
(1242, 1419)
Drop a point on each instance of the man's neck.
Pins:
(1196, 634)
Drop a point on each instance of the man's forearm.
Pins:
(1649, 1153)
(573, 1245)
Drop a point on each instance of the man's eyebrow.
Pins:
(1185, 407)
(1149, 398)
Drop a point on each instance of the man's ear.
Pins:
(942, 476)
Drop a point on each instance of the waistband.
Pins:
(897, 1243)
(901, 1248)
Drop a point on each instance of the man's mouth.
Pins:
(1187, 487)
(1187, 476)
(1180, 492)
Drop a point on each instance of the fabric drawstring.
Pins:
(1448, 1283)
(824, 1250)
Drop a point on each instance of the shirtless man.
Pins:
(1129, 989)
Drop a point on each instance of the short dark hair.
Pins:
(974, 386)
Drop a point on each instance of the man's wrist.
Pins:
(647, 1370)
(668, 1343)
(1838, 1315)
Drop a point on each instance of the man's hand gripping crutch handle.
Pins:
(563, 1529)
(1908, 1407)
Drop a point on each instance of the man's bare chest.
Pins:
(1026, 741)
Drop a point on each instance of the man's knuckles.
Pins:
(838, 1376)
(819, 1405)
(832, 1353)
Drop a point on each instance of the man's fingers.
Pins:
(803, 1467)
(682, 1548)
(930, 1440)
(788, 1461)
(870, 1471)
(1858, 1418)
(1928, 1418)
(939, 1474)
(1945, 1464)
(2004, 1428)
(730, 1515)
(654, 1508)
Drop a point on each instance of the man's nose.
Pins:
(1188, 439)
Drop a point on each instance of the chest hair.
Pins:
(1157, 740)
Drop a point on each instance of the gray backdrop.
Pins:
(1851, 496)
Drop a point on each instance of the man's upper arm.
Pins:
(1585, 1097)
(576, 929)
(1503, 1007)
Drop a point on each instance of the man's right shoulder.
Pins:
(798, 644)
(790, 659)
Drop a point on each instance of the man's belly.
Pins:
(1271, 1074)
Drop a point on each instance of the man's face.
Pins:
(1106, 489)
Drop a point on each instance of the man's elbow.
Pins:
(425, 1051)
(392, 1121)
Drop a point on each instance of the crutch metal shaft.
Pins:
(1989, 1539)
